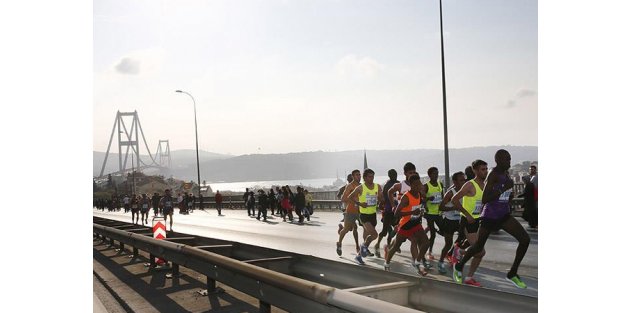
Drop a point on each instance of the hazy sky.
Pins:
(286, 76)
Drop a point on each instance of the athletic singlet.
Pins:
(433, 206)
(473, 204)
(414, 203)
(453, 215)
(370, 196)
(500, 207)
(168, 202)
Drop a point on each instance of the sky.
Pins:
(289, 76)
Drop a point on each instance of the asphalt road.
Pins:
(318, 238)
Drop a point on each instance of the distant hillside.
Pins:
(179, 158)
(309, 165)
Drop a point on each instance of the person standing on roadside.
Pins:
(218, 200)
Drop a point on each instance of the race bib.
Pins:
(478, 207)
(417, 207)
(189, 203)
(168, 204)
(145, 206)
(505, 196)
(437, 198)
(371, 200)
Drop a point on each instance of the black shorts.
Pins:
(168, 211)
(493, 224)
(436, 219)
(388, 221)
(368, 218)
(449, 227)
(470, 228)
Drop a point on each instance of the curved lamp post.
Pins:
(196, 143)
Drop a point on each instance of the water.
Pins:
(312, 183)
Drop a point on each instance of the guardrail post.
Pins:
(122, 248)
(111, 242)
(212, 284)
(151, 261)
(135, 253)
(264, 307)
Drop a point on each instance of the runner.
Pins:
(410, 226)
(495, 215)
(155, 202)
(144, 208)
(166, 205)
(126, 203)
(351, 215)
(388, 214)
(434, 193)
(343, 204)
(451, 217)
(370, 200)
(135, 209)
(397, 190)
(262, 204)
(468, 201)
(271, 198)
(309, 204)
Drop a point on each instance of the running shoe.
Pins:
(457, 253)
(364, 250)
(471, 281)
(415, 264)
(339, 249)
(422, 271)
(427, 264)
(370, 254)
(359, 259)
(516, 281)
(457, 274)
(441, 268)
(386, 266)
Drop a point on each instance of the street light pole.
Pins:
(447, 174)
(196, 143)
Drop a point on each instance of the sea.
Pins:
(320, 183)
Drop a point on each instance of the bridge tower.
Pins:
(163, 154)
(129, 138)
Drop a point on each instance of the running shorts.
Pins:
(449, 227)
(168, 211)
(470, 228)
(493, 224)
(436, 219)
(368, 218)
(411, 227)
(351, 217)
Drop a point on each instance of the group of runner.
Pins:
(139, 206)
(282, 202)
(477, 204)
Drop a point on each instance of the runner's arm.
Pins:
(353, 195)
(466, 190)
(391, 191)
(403, 203)
(446, 200)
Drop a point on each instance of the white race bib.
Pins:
(505, 196)
(371, 200)
(145, 206)
(478, 207)
(437, 198)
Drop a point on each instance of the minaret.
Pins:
(364, 160)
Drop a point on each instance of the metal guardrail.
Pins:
(270, 287)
